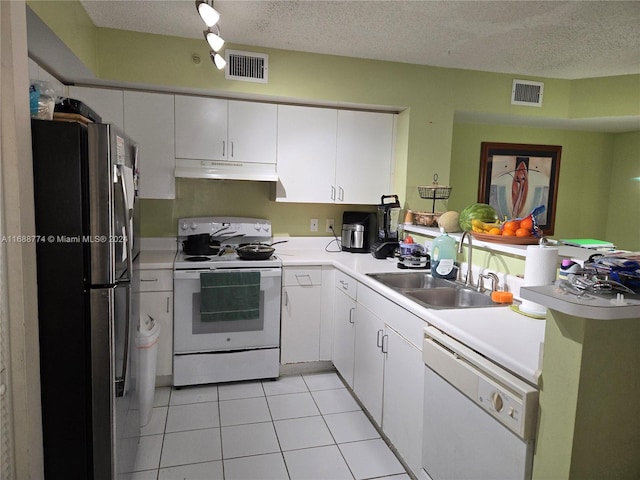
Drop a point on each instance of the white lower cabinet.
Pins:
(368, 366)
(156, 301)
(402, 398)
(344, 318)
(389, 371)
(301, 314)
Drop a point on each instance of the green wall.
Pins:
(623, 215)
(428, 98)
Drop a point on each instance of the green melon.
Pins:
(480, 211)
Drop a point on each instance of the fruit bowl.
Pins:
(485, 237)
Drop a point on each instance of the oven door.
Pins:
(192, 335)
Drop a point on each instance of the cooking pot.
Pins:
(256, 251)
(201, 244)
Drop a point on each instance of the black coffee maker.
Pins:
(387, 241)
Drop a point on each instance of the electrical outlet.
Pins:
(330, 224)
(314, 225)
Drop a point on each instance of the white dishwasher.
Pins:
(479, 419)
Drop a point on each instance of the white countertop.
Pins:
(502, 335)
(591, 306)
(157, 253)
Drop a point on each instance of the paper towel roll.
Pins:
(540, 269)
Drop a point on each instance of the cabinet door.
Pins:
(403, 394)
(201, 128)
(149, 120)
(107, 103)
(300, 324)
(306, 154)
(344, 335)
(364, 154)
(368, 366)
(159, 306)
(252, 132)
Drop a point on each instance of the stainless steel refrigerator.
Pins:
(84, 190)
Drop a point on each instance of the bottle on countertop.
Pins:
(443, 257)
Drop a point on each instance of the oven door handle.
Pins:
(195, 273)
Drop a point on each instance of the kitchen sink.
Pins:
(431, 292)
(450, 297)
(404, 280)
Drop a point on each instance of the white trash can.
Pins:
(147, 342)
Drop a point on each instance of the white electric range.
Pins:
(239, 341)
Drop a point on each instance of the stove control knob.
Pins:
(266, 227)
(257, 226)
(184, 226)
(194, 225)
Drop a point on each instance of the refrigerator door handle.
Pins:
(122, 378)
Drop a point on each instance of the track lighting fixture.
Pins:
(210, 17)
(218, 60)
(213, 38)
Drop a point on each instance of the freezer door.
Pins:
(111, 200)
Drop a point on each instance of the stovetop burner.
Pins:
(199, 258)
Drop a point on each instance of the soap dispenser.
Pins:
(443, 257)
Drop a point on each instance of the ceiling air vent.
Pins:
(525, 92)
(247, 66)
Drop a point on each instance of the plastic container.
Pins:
(147, 343)
(443, 257)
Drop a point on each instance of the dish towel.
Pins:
(229, 296)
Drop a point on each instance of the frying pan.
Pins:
(256, 251)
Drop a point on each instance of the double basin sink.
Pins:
(433, 292)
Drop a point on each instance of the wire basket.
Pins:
(434, 192)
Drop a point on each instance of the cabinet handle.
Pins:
(224, 144)
(307, 283)
(333, 192)
(344, 284)
(385, 343)
(286, 298)
(351, 311)
(231, 149)
(341, 194)
(148, 279)
(379, 339)
(168, 300)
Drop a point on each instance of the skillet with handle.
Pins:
(257, 251)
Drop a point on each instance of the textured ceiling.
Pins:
(555, 39)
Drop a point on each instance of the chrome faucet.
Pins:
(494, 281)
(468, 278)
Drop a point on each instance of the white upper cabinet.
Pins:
(253, 129)
(201, 128)
(107, 103)
(364, 156)
(215, 129)
(334, 156)
(306, 154)
(149, 120)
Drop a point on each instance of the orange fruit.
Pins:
(507, 232)
(523, 232)
(527, 223)
(494, 231)
(512, 225)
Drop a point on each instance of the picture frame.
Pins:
(516, 178)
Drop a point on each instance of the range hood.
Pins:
(224, 170)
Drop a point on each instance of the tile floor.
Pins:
(296, 427)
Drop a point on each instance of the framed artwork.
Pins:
(516, 178)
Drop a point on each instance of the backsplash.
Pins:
(203, 197)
